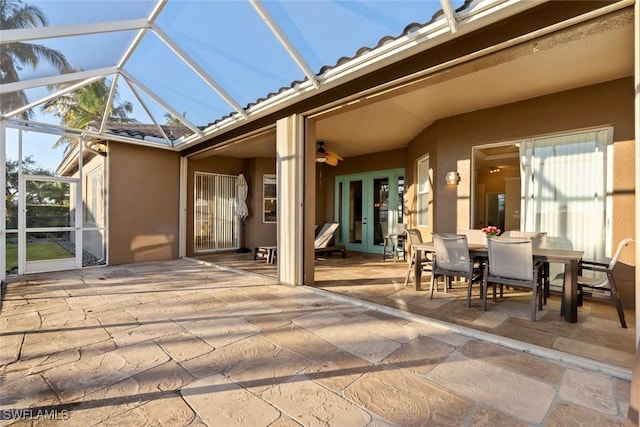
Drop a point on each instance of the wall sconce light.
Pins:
(452, 178)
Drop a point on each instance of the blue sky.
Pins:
(230, 41)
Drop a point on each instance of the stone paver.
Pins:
(186, 344)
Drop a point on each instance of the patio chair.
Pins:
(324, 237)
(602, 285)
(476, 237)
(452, 260)
(415, 238)
(539, 240)
(395, 243)
(511, 263)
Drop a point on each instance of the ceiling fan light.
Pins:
(321, 159)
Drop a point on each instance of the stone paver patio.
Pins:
(182, 343)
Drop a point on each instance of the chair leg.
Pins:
(433, 283)
(623, 322)
(616, 297)
(534, 301)
(411, 265)
(484, 285)
(541, 298)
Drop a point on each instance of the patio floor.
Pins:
(596, 336)
(186, 343)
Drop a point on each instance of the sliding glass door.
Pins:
(215, 223)
(564, 190)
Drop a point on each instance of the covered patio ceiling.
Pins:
(216, 66)
(557, 60)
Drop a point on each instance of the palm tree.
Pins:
(85, 105)
(173, 121)
(15, 14)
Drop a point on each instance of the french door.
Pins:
(368, 206)
(49, 224)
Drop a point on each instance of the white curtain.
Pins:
(564, 190)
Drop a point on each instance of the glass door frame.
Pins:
(341, 207)
(75, 199)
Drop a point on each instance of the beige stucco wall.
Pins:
(257, 232)
(143, 204)
(449, 142)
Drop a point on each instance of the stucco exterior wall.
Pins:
(257, 232)
(449, 143)
(143, 204)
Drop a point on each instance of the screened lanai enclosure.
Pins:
(71, 69)
(126, 125)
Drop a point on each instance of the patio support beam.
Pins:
(450, 13)
(52, 96)
(290, 179)
(637, 156)
(3, 208)
(135, 82)
(41, 33)
(201, 72)
(55, 80)
(309, 209)
(272, 24)
(182, 215)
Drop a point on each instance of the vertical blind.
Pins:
(216, 226)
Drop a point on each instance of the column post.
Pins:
(291, 183)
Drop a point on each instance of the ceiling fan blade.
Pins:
(332, 161)
(332, 154)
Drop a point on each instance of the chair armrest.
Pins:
(603, 269)
(595, 262)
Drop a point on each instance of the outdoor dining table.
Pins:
(569, 258)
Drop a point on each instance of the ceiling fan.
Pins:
(324, 156)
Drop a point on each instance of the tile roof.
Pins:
(142, 131)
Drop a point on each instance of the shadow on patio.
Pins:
(597, 335)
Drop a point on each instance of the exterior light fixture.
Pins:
(452, 178)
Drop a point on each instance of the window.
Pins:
(423, 191)
(94, 199)
(269, 198)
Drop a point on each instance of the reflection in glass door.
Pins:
(354, 212)
(368, 206)
(48, 224)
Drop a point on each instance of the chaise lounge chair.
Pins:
(324, 237)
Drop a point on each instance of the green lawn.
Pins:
(36, 252)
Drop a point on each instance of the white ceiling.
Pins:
(554, 63)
